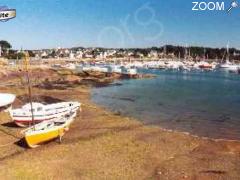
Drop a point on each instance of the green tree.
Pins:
(5, 45)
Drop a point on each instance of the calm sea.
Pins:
(201, 103)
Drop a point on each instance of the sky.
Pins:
(117, 24)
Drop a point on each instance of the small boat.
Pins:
(174, 65)
(100, 69)
(40, 112)
(70, 66)
(130, 71)
(115, 69)
(48, 130)
(205, 66)
(229, 66)
(6, 100)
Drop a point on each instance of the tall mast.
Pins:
(26, 66)
(204, 54)
(165, 50)
(228, 52)
(186, 52)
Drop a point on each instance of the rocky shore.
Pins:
(103, 145)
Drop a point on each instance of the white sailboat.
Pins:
(46, 130)
(23, 116)
(229, 66)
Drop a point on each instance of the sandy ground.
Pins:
(101, 145)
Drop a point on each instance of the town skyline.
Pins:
(166, 51)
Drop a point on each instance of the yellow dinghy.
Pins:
(48, 130)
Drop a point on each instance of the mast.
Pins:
(204, 54)
(186, 52)
(165, 51)
(227, 53)
(26, 66)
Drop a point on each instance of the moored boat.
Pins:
(229, 66)
(205, 65)
(130, 71)
(23, 116)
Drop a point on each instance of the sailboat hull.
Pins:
(37, 139)
(23, 117)
(47, 131)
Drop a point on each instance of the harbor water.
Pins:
(206, 104)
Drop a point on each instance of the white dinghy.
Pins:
(6, 100)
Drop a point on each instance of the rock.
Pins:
(72, 78)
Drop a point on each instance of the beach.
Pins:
(105, 145)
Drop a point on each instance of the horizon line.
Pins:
(126, 48)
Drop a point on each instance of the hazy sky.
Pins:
(117, 23)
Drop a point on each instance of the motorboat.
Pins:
(104, 69)
(156, 65)
(115, 69)
(174, 65)
(205, 65)
(48, 130)
(131, 71)
(39, 112)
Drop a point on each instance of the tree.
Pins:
(5, 45)
(31, 54)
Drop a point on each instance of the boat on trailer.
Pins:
(24, 116)
(48, 130)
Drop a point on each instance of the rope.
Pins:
(8, 144)
(9, 133)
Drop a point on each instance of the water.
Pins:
(201, 103)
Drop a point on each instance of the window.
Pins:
(39, 109)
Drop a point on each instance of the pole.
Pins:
(27, 63)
